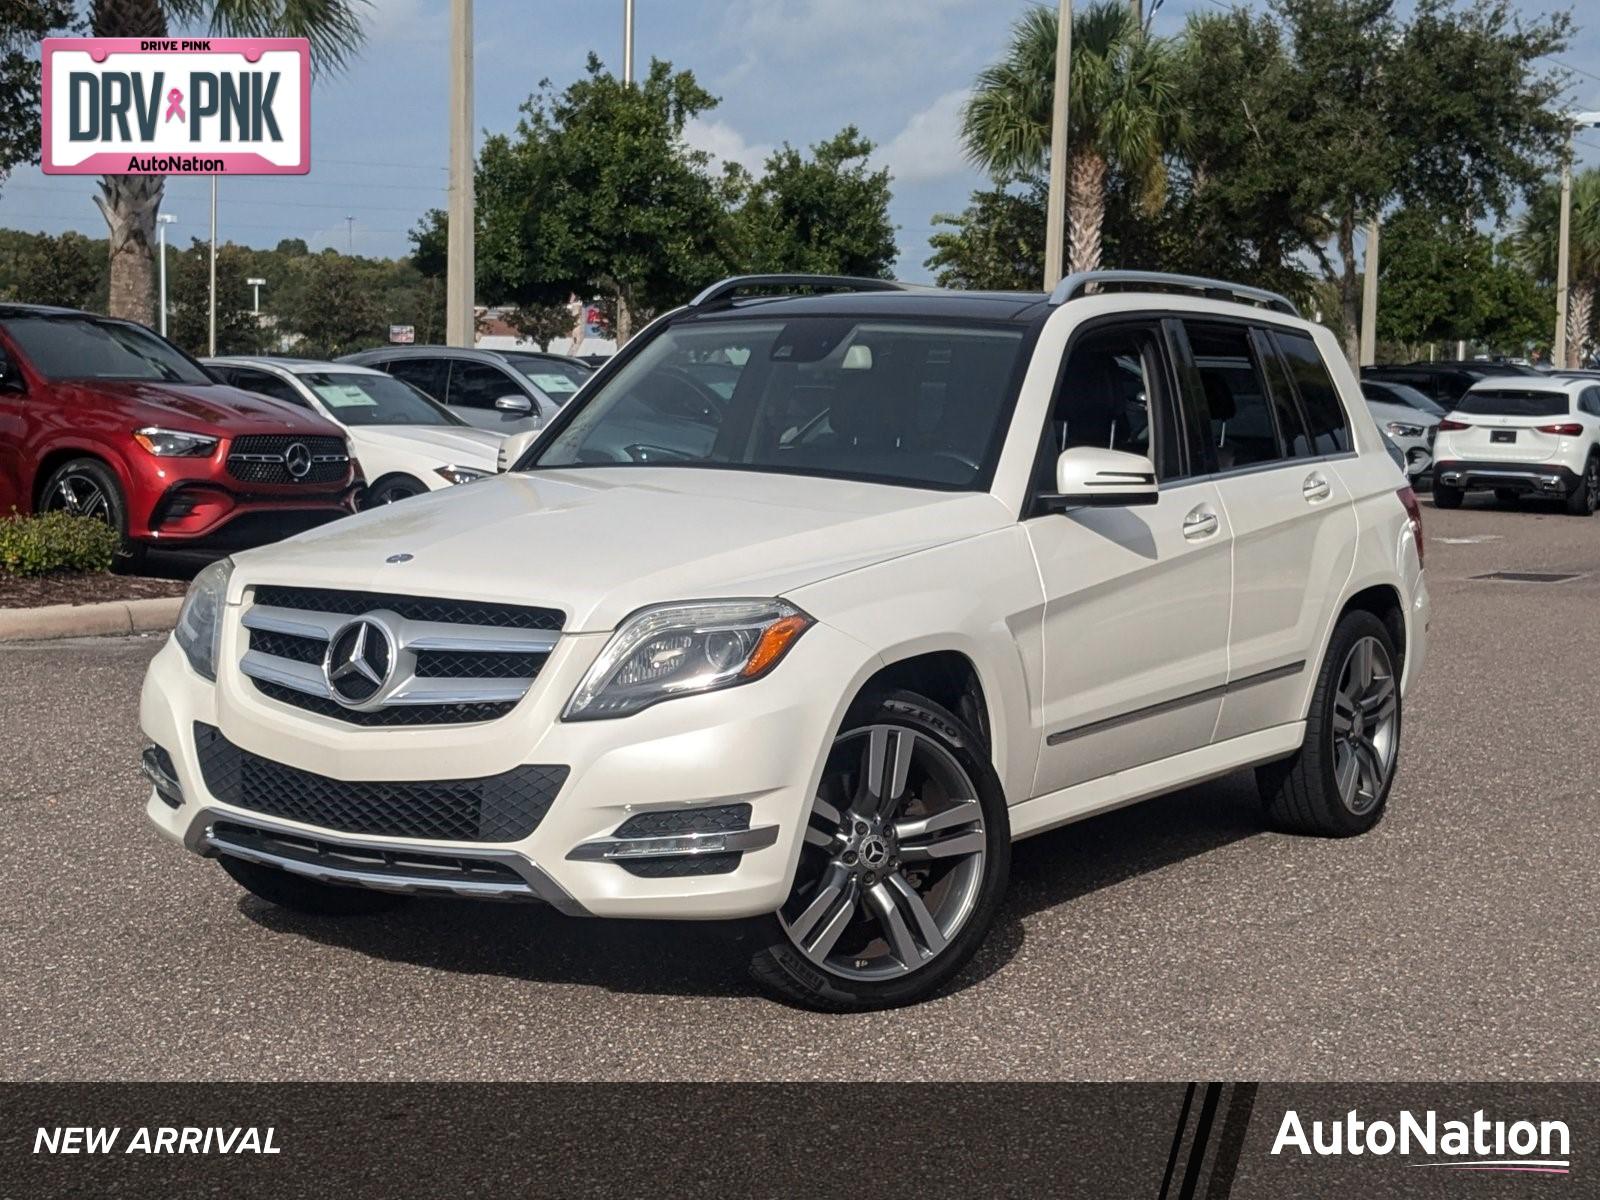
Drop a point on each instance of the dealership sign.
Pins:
(170, 106)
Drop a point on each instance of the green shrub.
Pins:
(55, 541)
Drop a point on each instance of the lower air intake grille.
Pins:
(495, 808)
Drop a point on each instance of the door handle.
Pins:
(1199, 524)
(1315, 488)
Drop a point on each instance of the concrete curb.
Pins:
(89, 620)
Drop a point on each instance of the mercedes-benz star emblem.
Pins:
(359, 662)
(298, 459)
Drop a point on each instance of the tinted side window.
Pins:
(478, 385)
(1234, 395)
(1591, 401)
(1329, 428)
(426, 374)
(264, 384)
(1291, 425)
(1114, 393)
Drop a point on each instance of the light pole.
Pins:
(1575, 121)
(162, 221)
(1369, 299)
(1056, 210)
(460, 288)
(256, 285)
(350, 233)
(627, 41)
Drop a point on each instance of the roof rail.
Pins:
(728, 288)
(1080, 283)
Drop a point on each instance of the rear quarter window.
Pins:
(1325, 420)
(1514, 402)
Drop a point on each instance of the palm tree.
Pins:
(1121, 113)
(1535, 244)
(130, 203)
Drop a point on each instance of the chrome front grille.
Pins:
(384, 660)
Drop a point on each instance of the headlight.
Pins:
(454, 474)
(682, 649)
(174, 443)
(1401, 429)
(200, 619)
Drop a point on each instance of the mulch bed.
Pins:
(78, 588)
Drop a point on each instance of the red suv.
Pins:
(103, 418)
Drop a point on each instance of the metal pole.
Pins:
(1369, 299)
(460, 289)
(162, 222)
(211, 334)
(1056, 211)
(627, 41)
(1559, 358)
(350, 230)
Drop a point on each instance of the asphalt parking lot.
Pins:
(1175, 940)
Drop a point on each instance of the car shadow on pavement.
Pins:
(693, 958)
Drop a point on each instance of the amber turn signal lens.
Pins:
(774, 644)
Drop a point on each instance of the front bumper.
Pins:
(1546, 479)
(761, 745)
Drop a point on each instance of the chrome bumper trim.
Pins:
(202, 839)
(679, 845)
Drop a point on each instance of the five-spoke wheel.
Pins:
(904, 857)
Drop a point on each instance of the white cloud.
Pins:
(929, 147)
(724, 144)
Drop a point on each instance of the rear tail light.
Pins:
(1414, 511)
(1448, 423)
(1570, 430)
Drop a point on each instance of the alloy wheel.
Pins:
(80, 496)
(893, 858)
(1365, 725)
(1591, 483)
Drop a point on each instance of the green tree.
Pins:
(995, 244)
(332, 310)
(189, 300)
(1122, 108)
(68, 269)
(827, 214)
(1535, 242)
(1450, 111)
(130, 203)
(22, 25)
(597, 193)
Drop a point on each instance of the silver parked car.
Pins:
(1408, 418)
(506, 391)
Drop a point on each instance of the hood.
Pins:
(599, 543)
(201, 408)
(445, 444)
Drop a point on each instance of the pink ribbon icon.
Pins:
(175, 105)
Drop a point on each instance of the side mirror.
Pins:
(514, 404)
(1089, 477)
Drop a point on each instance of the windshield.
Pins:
(1509, 402)
(554, 377)
(86, 348)
(360, 399)
(919, 404)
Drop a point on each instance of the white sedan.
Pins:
(406, 443)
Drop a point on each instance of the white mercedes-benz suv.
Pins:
(1522, 436)
(806, 609)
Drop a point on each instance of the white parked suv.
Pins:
(405, 442)
(806, 609)
(1522, 436)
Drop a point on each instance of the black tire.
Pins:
(1445, 496)
(391, 489)
(1301, 793)
(1507, 495)
(782, 970)
(299, 894)
(91, 488)
(1585, 497)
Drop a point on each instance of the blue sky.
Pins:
(786, 70)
